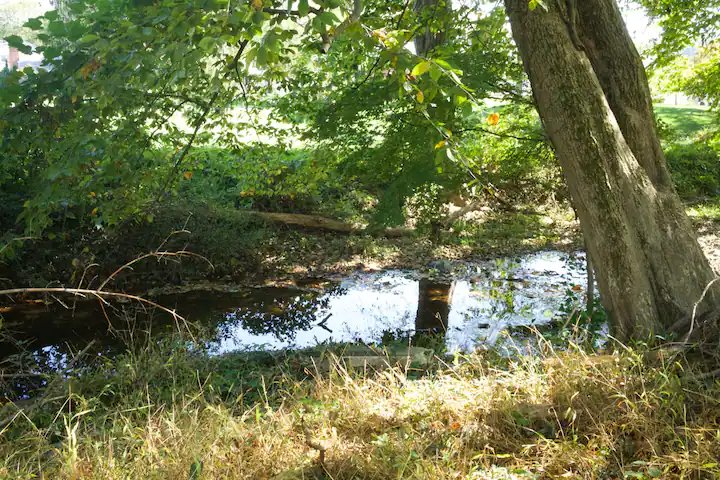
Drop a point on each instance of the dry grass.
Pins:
(163, 414)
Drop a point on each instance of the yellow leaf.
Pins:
(440, 144)
(420, 68)
(257, 4)
(420, 96)
(493, 119)
(94, 211)
(188, 175)
(380, 34)
(92, 194)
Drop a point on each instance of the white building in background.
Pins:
(12, 58)
(680, 99)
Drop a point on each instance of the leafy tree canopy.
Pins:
(128, 89)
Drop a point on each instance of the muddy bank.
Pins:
(245, 250)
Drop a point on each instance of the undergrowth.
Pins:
(166, 411)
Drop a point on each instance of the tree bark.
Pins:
(620, 71)
(430, 11)
(591, 92)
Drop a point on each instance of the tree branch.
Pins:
(291, 13)
(502, 134)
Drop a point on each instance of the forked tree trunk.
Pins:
(592, 95)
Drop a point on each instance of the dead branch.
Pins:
(159, 255)
(95, 293)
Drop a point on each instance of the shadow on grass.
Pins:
(686, 121)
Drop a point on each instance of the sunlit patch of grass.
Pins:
(164, 414)
(509, 232)
(709, 210)
(685, 120)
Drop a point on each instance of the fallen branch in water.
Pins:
(99, 294)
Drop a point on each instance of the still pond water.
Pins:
(467, 304)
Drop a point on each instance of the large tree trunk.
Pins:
(620, 71)
(592, 94)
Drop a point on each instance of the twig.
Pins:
(377, 60)
(163, 254)
(96, 293)
(22, 375)
(18, 239)
(705, 376)
(199, 123)
(694, 312)
(291, 13)
(45, 398)
(501, 134)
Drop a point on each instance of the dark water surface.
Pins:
(468, 304)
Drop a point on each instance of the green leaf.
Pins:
(443, 63)
(654, 472)
(633, 474)
(207, 43)
(326, 19)
(34, 24)
(17, 42)
(195, 470)
(421, 68)
(89, 38)
(435, 73)
(303, 8)
(533, 4)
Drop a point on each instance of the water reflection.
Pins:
(470, 309)
(433, 312)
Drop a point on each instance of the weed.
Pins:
(167, 409)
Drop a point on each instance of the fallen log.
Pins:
(324, 223)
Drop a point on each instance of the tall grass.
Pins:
(165, 411)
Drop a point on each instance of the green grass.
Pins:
(166, 413)
(708, 210)
(510, 232)
(686, 121)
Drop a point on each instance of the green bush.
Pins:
(695, 168)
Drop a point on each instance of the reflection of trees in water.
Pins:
(433, 311)
(282, 315)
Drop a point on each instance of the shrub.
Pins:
(695, 168)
